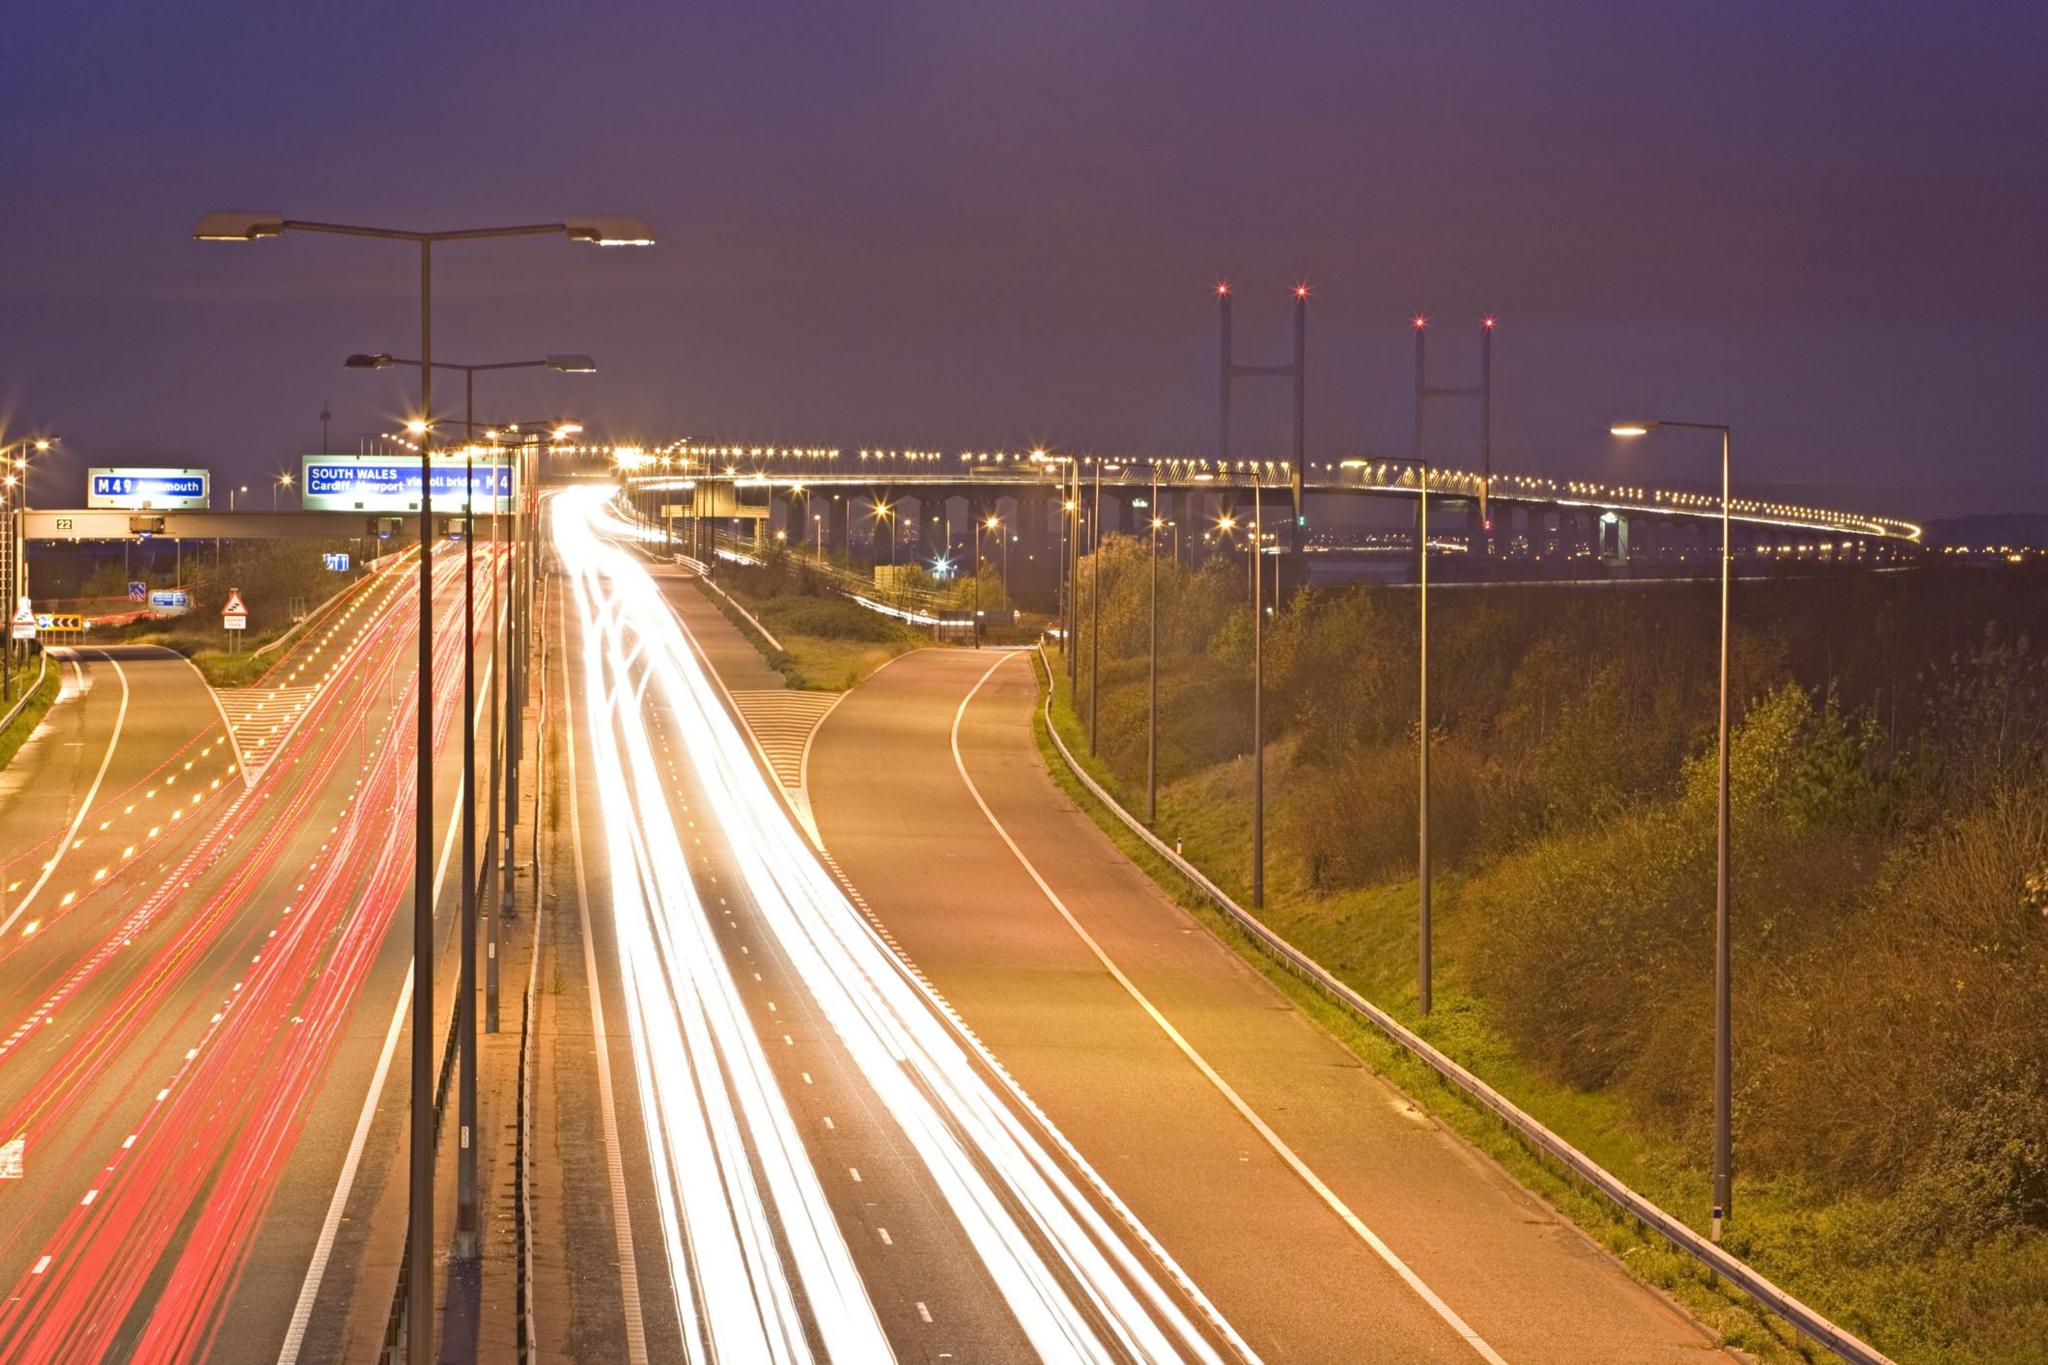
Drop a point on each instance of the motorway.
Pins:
(197, 984)
(1324, 1214)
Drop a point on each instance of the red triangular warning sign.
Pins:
(234, 606)
(24, 614)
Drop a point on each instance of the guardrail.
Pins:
(752, 619)
(526, 1334)
(1805, 1320)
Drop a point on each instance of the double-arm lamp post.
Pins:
(244, 226)
(466, 1211)
(1723, 1046)
(14, 459)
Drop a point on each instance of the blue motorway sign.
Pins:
(138, 591)
(136, 489)
(347, 483)
(338, 563)
(172, 600)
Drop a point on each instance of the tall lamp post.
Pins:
(1225, 524)
(993, 522)
(14, 459)
(243, 226)
(1424, 869)
(1094, 603)
(1723, 1046)
(466, 1213)
(1258, 694)
(1152, 668)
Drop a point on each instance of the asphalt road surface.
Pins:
(1324, 1215)
(197, 982)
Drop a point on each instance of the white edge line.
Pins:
(1272, 1139)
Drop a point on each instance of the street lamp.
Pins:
(1258, 692)
(466, 1215)
(1152, 669)
(995, 523)
(885, 512)
(280, 483)
(1424, 870)
(1094, 603)
(13, 459)
(244, 226)
(1723, 1068)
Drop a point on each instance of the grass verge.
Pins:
(31, 715)
(862, 641)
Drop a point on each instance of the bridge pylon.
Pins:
(1298, 372)
(1483, 391)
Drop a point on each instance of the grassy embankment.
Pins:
(1892, 873)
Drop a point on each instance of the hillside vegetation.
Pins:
(1890, 893)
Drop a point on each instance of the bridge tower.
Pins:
(1298, 372)
(1483, 391)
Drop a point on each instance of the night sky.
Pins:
(967, 225)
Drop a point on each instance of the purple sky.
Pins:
(956, 224)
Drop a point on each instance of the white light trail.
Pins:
(730, 1169)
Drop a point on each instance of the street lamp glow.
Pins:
(417, 426)
(609, 231)
(1633, 428)
(237, 225)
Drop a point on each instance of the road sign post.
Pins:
(234, 618)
